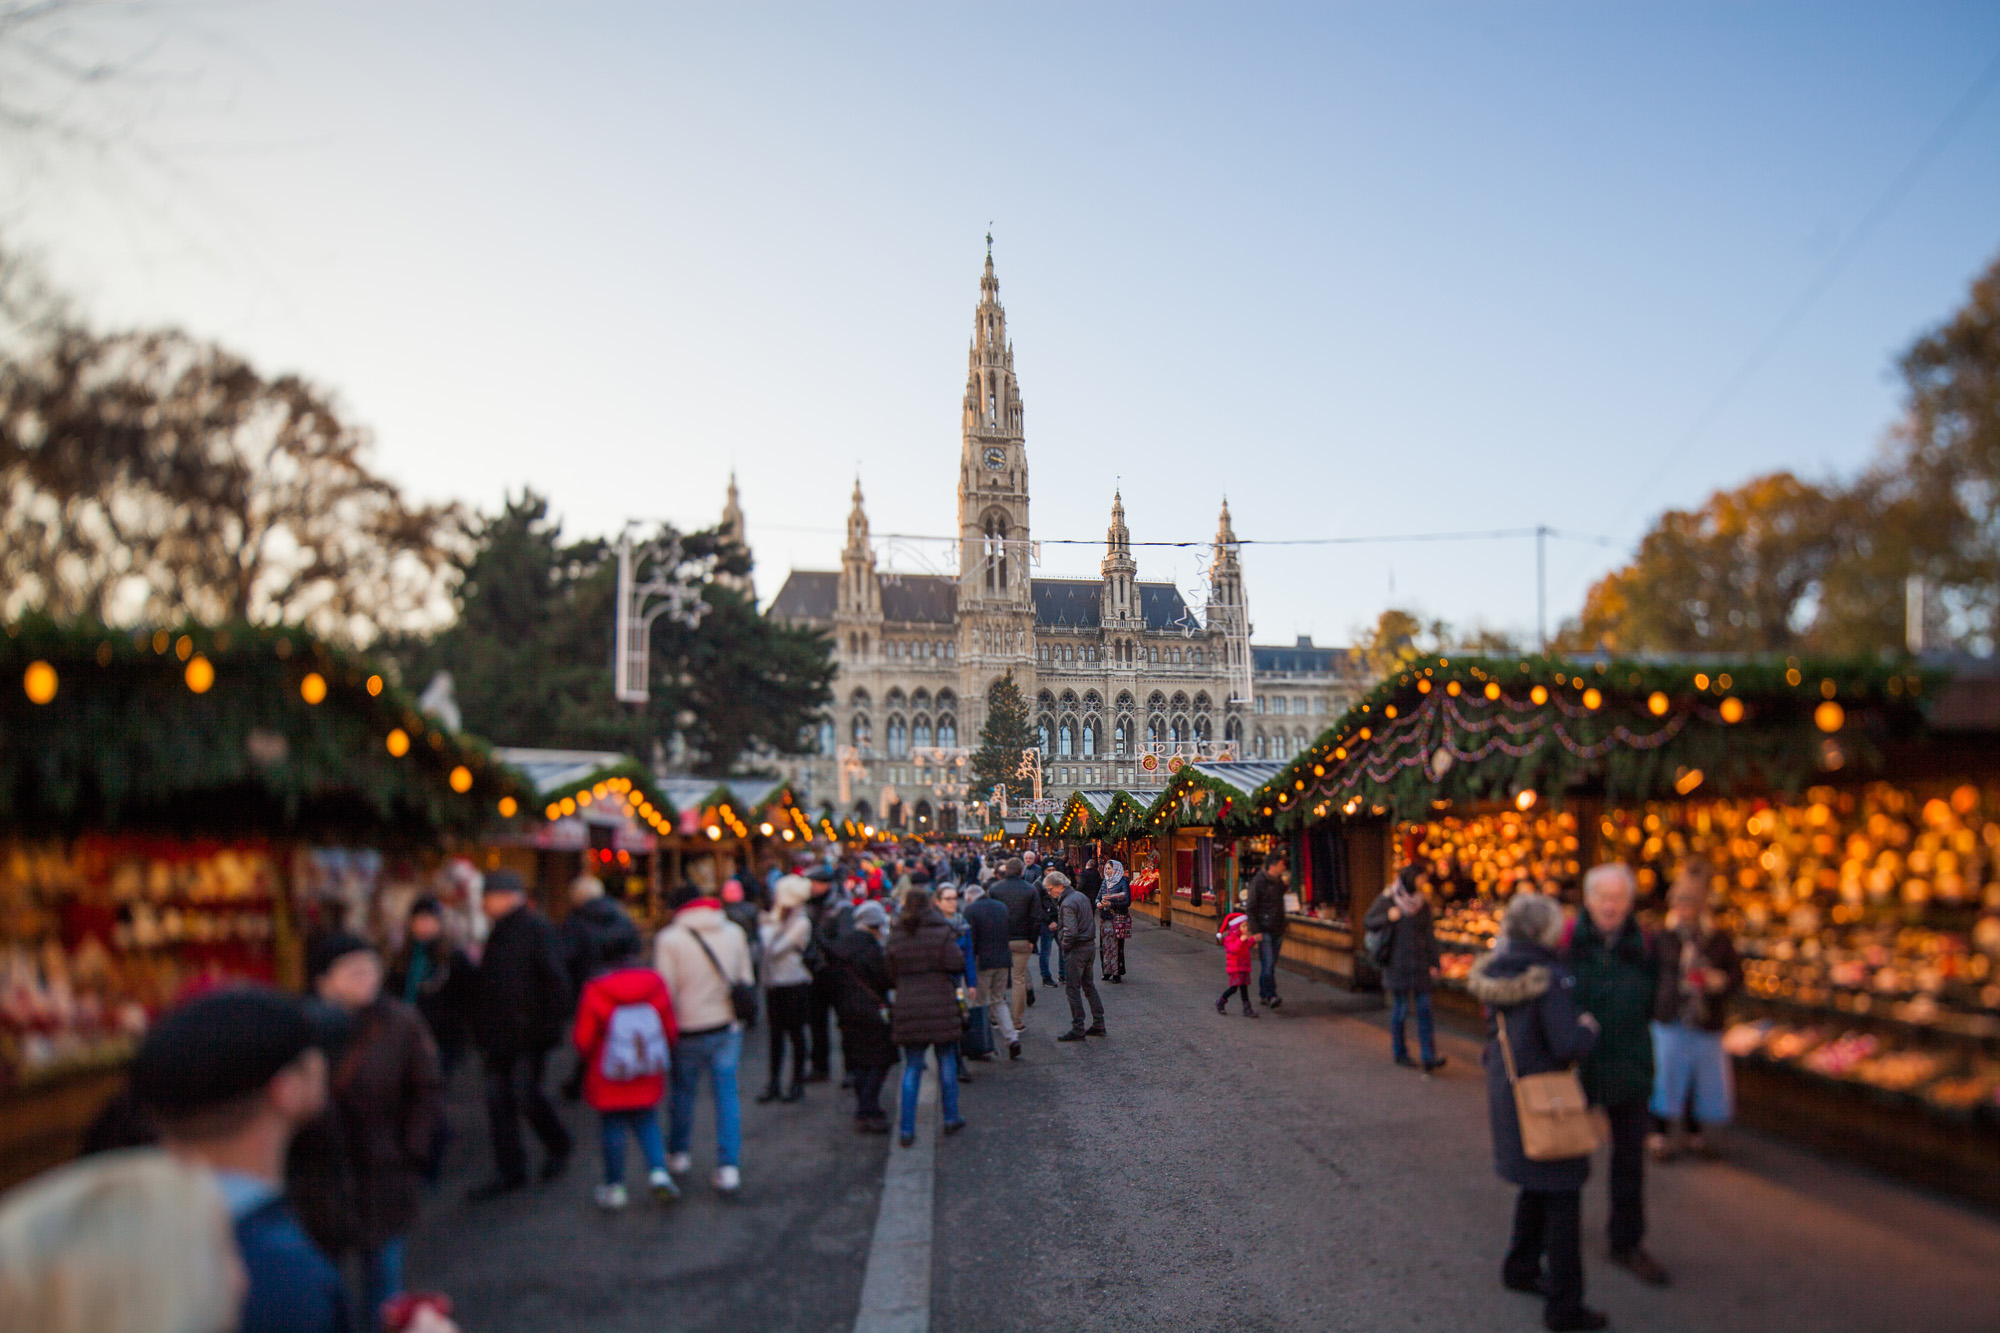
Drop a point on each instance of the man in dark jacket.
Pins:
(436, 976)
(1264, 904)
(827, 912)
(230, 1077)
(991, 928)
(520, 997)
(1617, 976)
(1027, 916)
(1076, 933)
(860, 987)
(596, 931)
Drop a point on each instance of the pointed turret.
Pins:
(1120, 597)
(860, 594)
(994, 544)
(734, 528)
(1228, 613)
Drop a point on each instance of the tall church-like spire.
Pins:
(860, 594)
(1120, 595)
(994, 543)
(734, 529)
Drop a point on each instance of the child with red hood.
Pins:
(626, 1032)
(1239, 949)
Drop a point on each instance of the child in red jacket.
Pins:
(625, 1031)
(1239, 948)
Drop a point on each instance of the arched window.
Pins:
(946, 701)
(1232, 730)
(1069, 698)
(1091, 727)
(863, 733)
(920, 732)
(1194, 655)
(1124, 699)
(1201, 702)
(1299, 741)
(921, 700)
(1258, 747)
(1045, 729)
(858, 699)
(1122, 737)
(995, 528)
(862, 811)
(1045, 699)
(899, 738)
(894, 700)
(826, 736)
(1181, 732)
(1157, 703)
(1180, 701)
(923, 814)
(947, 732)
(1066, 739)
(1201, 732)
(1156, 730)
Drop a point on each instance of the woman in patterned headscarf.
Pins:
(1114, 907)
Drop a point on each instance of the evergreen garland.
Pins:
(126, 744)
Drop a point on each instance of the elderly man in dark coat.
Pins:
(859, 979)
(1528, 993)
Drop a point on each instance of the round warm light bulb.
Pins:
(313, 688)
(40, 682)
(764, 829)
(1732, 710)
(1539, 695)
(568, 806)
(374, 684)
(200, 674)
(1423, 687)
(461, 779)
(1593, 698)
(1526, 799)
(1451, 687)
(398, 742)
(554, 810)
(1657, 703)
(1829, 716)
(1390, 711)
(1493, 689)
(508, 806)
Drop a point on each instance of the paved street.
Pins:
(1198, 1172)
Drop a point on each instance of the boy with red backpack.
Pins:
(1239, 949)
(625, 1031)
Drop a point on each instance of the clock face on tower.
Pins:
(996, 458)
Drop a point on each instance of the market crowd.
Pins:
(271, 1151)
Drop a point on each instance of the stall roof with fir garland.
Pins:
(235, 731)
(1471, 729)
(571, 781)
(1111, 813)
(1211, 793)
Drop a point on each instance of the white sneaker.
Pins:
(663, 1187)
(728, 1179)
(611, 1197)
(680, 1163)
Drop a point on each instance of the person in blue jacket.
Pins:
(229, 1077)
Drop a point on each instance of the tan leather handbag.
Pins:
(1555, 1117)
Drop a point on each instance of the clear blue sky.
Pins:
(1368, 270)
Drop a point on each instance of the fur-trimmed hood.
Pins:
(1512, 974)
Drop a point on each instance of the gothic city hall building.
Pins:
(1120, 675)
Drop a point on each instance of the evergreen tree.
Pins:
(1006, 733)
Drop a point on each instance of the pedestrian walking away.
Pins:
(992, 950)
(1264, 902)
(705, 959)
(787, 932)
(1404, 934)
(1239, 948)
(624, 1033)
(924, 965)
(1076, 932)
(521, 1000)
(356, 1170)
(1617, 974)
(1699, 972)
(860, 981)
(1027, 920)
(1114, 911)
(1526, 989)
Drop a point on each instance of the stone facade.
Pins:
(1117, 672)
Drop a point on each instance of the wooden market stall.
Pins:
(1104, 823)
(162, 797)
(737, 826)
(1851, 813)
(601, 812)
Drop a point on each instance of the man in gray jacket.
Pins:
(1076, 934)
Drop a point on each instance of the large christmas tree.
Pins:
(1001, 740)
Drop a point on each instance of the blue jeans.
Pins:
(1045, 942)
(381, 1278)
(718, 1052)
(641, 1125)
(1267, 967)
(913, 1081)
(1399, 1010)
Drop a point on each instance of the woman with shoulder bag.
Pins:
(1533, 1031)
(1114, 909)
(927, 968)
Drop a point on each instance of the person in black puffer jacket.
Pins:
(859, 979)
(596, 931)
(1404, 914)
(1524, 985)
(520, 997)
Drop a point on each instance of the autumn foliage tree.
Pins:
(1782, 564)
